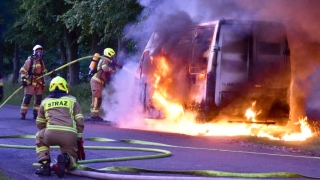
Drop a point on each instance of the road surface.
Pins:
(204, 153)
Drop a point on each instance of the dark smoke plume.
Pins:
(300, 18)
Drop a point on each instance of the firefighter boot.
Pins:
(96, 118)
(45, 169)
(23, 116)
(63, 162)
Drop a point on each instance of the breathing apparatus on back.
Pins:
(109, 53)
(93, 64)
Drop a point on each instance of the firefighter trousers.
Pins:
(96, 91)
(29, 91)
(67, 141)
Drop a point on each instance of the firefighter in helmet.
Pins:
(60, 122)
(29, 72)
(101, 74)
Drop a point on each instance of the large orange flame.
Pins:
(178, 121)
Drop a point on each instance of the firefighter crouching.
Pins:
(60, 122)
(101, 74)
(29, 72)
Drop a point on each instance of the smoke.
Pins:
(300, 18)
(121, 97)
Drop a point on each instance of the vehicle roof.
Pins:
(235, 21)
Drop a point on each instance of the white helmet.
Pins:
(36, 47)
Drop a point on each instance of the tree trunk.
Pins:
(16, 64)
(1, 55)
(74, 69)
(63, 54)
(95, 46)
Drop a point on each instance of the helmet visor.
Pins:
(39, 53)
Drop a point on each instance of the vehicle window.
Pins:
(201, 44)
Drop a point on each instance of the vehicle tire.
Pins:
(279, 111)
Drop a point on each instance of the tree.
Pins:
(3, 17)
(44, 16)
(102, 20)
(9, 31)
(70, 27)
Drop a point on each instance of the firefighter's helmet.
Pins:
(109, 52)
(58, 83)
(36, 47)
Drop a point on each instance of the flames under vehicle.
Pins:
(220, 69)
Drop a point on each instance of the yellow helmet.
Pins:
(60, 83)
(109, 52)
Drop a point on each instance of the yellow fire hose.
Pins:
(198, 174)
(101, 173)
(47, 74)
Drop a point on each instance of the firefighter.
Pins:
(60, 123)
(1, 87)
(32, 69)
(100, 76)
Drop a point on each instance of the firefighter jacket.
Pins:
(103, 71)
(60, 111)
(32, 69)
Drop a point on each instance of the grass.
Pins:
(4, 177)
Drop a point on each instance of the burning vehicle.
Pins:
(238, 69)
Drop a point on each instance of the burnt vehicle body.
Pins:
(223, 67)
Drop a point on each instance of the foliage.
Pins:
(48, 22)
(106, 17)
(42, 17)
(4, 177)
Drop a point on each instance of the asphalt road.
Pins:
(209, 153)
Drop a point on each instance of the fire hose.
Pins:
(55, 70)
(197, 174)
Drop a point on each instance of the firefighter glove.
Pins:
(81, 153)
(24, 81)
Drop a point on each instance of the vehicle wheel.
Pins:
(279, 111)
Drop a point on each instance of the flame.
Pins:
(160, 94)
(251, 113)
(303, 135)
(300, 136)
(176, 120)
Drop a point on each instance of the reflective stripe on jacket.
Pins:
(63, 114)
(37, 68)
(103, 69)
